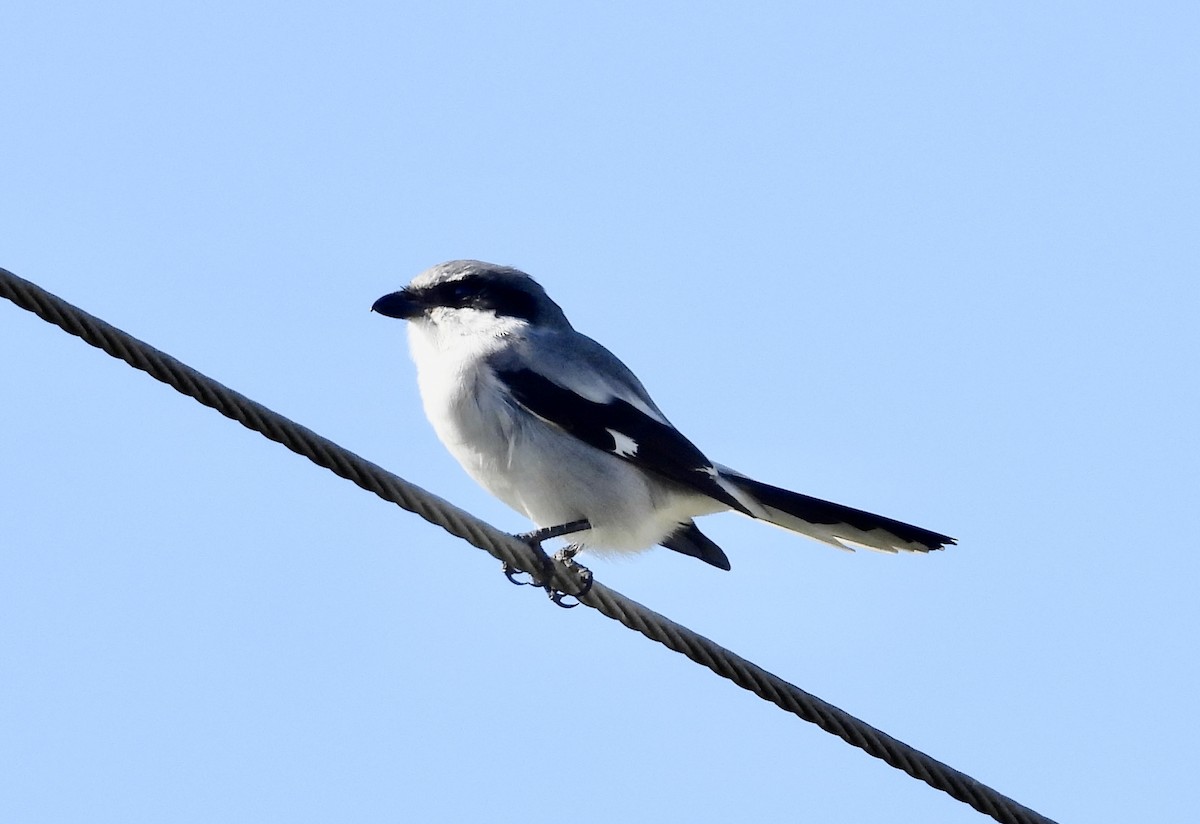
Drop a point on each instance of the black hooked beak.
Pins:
(402, 304)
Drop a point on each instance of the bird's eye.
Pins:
(462, 291)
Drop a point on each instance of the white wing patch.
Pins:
(623, 445)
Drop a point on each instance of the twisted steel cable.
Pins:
(505, 547)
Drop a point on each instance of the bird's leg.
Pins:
(534, 539)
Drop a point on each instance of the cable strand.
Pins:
(505, 547)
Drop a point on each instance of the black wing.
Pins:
(619, 428)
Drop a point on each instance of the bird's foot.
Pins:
(547, 571)
(566, 556)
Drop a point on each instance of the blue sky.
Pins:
(937, 260)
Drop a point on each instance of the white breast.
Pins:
(465, 405)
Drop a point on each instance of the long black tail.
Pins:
(841, 526)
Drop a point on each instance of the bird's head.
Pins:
(470, 297)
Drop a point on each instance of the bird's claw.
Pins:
(584, 576)
(565, 556)
(511, 573)
(585, 586)
(557, 596)
(534, 540)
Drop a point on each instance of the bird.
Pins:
(558, 428)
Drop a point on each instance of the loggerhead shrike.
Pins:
(551, 423)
